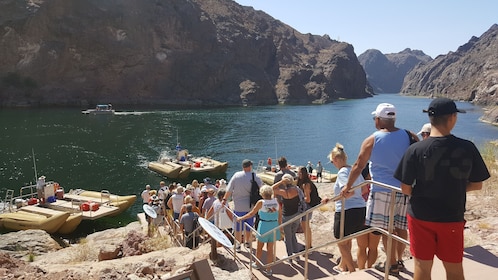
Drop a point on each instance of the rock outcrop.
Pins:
(470, 73)
(168, 52)
(386, 72)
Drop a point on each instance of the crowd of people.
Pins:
(433, 174)
(175, 204)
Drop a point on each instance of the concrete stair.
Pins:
(478, 264)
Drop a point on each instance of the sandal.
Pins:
(339, 270)
(401, 265)
(268, 272)
(393, 269)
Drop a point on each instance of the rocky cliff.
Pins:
(166, 52)
(386, 73)
(470, 73)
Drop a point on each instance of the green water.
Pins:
(112, 152)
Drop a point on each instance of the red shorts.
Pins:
(445, 240)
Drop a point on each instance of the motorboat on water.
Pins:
(184, 164)
(100, 109)
(268, 173)
(204, 165)
(168, 168)
(180, 164)
(56, 211)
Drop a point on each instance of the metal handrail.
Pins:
(307, 250)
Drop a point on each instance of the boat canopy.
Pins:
(104, 107)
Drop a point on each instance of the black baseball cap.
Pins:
(441, 107)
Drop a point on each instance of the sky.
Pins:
(433, 26)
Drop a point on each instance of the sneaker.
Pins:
(401, 265)
(393, 270)
(254, 265)
(248, 245)
(238, 249)
(268, 272)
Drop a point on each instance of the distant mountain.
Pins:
(168, 52)
(470, 73)
(386, 72)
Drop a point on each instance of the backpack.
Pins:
(410, 136)
(195, 223)
(255, 196)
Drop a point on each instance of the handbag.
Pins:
(302, 206)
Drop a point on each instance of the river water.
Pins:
(112, 152)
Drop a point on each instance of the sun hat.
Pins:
(425, 128)
(223, 183)
(442, 106)
(385, 111)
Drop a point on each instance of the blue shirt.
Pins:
(388, 149)
(356, 201)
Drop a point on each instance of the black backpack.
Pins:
(255, 196)
(412, 139)
(195, 223)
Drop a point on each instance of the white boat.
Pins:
(101, 109)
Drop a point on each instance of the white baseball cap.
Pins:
(385, 111)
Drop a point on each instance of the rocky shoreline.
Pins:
(33, 254)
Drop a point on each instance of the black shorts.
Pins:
(354, 221)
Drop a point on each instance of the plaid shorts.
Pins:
(378, 210)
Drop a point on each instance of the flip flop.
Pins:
(393, 270)
(339, 270)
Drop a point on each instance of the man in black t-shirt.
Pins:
(437, 173)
